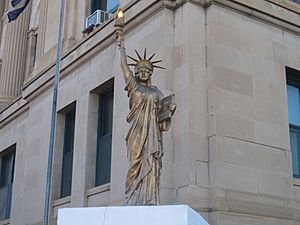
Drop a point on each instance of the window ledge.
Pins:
(61, 201)
(97, 190)
(5, 222)
(296, 182)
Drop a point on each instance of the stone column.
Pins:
(2, 5)
(14, 58)
(43, 15)
(31, 53)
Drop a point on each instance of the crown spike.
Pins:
(159, 67)
(145, 53)
(158, 61)
(132, 58)
(140, 58)
(151, 56)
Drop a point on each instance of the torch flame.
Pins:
(120, 13)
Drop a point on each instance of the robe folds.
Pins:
(144, 144)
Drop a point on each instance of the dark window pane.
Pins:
(103, 163)
(103, 160)
(69, 131)
(66, 183)
(106, 103)
(293, 93)
(293, 105)
(295, 146)
(106, 5)
(3, 202)
(67, 165)
(98, 4)
(5, 165)
(6, 180)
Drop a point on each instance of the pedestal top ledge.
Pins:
(131, 215)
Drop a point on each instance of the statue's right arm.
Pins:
(124, 66)
(123, 58)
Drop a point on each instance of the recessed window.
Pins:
(7, 161)
(67, 163)
(109, 6)
(105, 119)
(293, 92)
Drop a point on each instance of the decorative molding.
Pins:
(61, 201)
(17, 108)
(98, 190)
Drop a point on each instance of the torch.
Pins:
(119, 24)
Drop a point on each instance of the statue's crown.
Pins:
(144, 62)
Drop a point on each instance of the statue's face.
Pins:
(144, 74)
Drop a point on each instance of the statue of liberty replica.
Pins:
(150, 114)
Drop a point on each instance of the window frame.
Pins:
(293, 79)
(69, 120)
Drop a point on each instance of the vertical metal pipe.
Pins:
(53, 115)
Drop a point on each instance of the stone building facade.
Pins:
(234, 68)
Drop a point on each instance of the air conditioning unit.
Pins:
(96, 18)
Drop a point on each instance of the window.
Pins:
(297, 1)
(106, 5)
(67, 164)
(7, 161)
(105, 119)
(293, 92)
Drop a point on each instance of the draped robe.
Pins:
(144, 144)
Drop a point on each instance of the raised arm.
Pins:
(119, 24)
(123, 59)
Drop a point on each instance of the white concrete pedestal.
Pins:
(131, 215)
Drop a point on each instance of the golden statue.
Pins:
(149, 115)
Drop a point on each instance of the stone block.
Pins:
(278, 221)
(184, 173)
(191, 146)
(232, 80)
(216, 148)
(233, 177)
(231, 36)
(269, 91)
(230, 125)
(254, 155)
(167, 176)
(258, 204)
(277, 184)
(272, 135)
(202, 173)
(224, 218)
(196, 197)
(280, 54)
(181, 123)
(99, 199)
